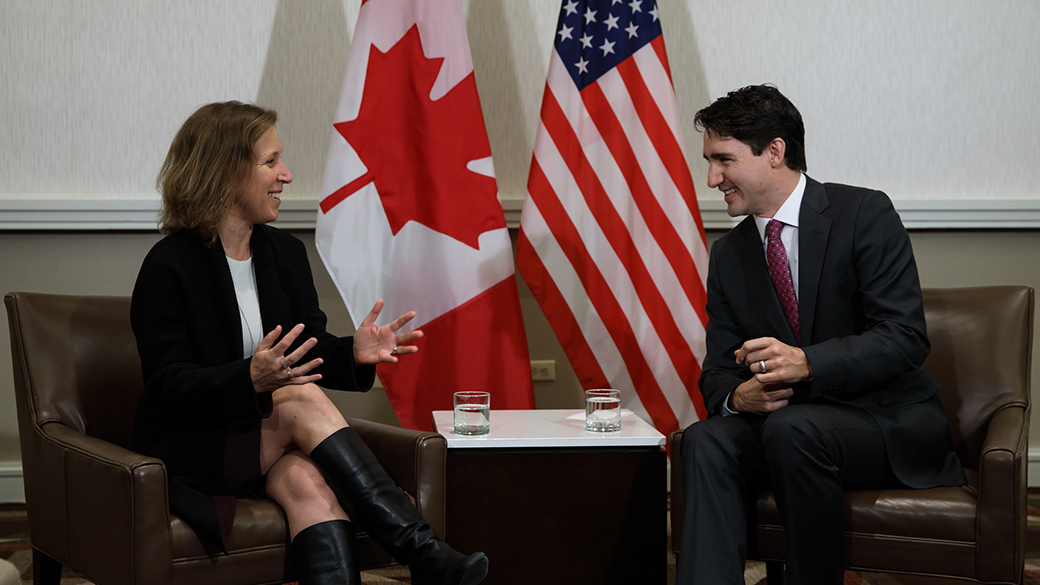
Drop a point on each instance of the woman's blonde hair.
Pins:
(210, 158)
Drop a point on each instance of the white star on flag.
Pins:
(632, 30)
(565, 32)
(612, 22)
(590, 16)
(607, 47)
(586, 41)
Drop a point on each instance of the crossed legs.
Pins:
(303, 417)
(311, 456)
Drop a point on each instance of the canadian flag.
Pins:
(410, 211)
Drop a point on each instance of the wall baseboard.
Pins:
(139, 214)
(12, 490)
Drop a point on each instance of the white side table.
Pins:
(547, 428)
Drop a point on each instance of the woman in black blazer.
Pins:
(232, 342)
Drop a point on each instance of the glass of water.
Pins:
(602, 410)
(472, 413)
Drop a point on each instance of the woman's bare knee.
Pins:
(304, 416)
(306, 399)
(303, 394)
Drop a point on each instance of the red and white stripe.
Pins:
(611, 239)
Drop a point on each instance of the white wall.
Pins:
(924, 99)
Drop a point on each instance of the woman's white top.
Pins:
(248, 303)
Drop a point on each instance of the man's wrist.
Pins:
(808, 367)
(727, 405)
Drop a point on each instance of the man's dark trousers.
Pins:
(808, 453)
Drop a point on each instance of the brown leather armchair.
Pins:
(101, 509)
(981, 350)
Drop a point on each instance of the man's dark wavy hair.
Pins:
(755, 115)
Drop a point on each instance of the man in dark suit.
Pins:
(815, 340)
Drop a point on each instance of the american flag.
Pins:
(611, 240)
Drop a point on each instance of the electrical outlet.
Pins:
(543, 370)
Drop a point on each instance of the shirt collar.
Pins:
(788, 212)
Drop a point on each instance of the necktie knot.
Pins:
(773, 228)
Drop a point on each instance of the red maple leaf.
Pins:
(416, 149)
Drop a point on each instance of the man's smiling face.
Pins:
(744, 179)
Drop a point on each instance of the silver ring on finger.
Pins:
(284, 365)
(762, 366)
(288, 371)
(394, 351)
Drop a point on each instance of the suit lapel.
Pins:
(813, 232)
(268, 289)
(752, 258)
(225, 291)
(274, 304)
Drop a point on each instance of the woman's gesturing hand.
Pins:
(271, 369)
(374, 344)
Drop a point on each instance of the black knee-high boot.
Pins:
(324, 554)
(386, 512)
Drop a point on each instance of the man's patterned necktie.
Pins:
(780, 273)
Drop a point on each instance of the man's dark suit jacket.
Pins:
(861, 319)
(186, 319)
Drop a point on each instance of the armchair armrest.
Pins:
(114, 506)
(1002, 495)
(415, 460)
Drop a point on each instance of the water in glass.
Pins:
(603, 412)
(472, 419)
